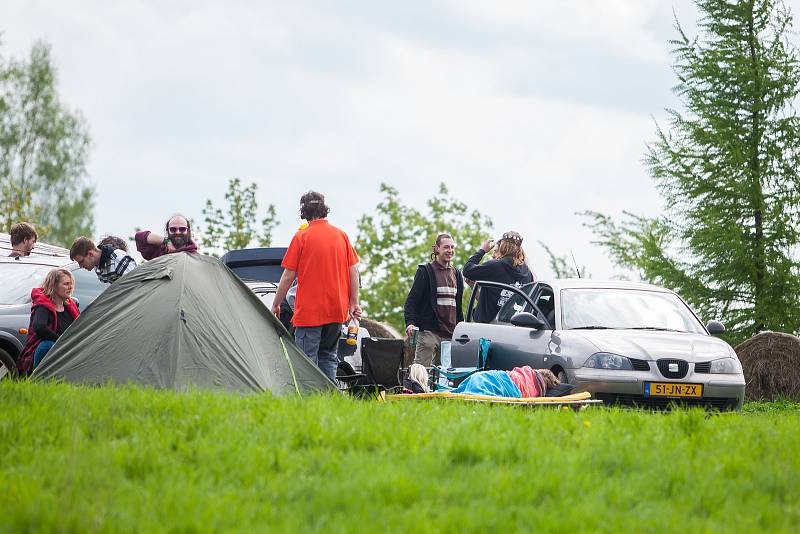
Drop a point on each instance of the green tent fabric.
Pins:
(177, 322)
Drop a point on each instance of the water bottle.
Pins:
(444, 354)
(352, 332)
(414, 332)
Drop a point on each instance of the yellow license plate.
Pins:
(662, 389)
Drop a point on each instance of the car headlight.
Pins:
(606, 360)
(726, 366)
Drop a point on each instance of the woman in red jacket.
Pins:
(52, 311)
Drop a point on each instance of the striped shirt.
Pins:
(113, 264)
(446, 280)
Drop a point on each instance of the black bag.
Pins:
(559, 390)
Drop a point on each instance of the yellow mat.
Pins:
(577, 398)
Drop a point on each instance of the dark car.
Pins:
(256, 264)
(20, 275)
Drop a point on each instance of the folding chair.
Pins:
(381, 362)
(456, 375)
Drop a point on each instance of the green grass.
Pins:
(136, 460)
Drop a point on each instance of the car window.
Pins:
(626, 308)
(546, 303)
(18, 280)
(515, 304)
(87, 287)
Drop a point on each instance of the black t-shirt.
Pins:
(41, 320)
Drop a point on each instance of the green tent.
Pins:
(180, 321)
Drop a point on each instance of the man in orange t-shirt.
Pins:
(325, 265)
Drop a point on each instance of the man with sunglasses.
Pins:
(178, 239)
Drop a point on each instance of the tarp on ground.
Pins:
(177, 322)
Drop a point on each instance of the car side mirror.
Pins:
(715, 328)
(527, 320)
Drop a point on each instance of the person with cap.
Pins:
(325, 265)
(508, 266)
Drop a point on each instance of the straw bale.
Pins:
(771, 365)
(383, 330)
(377, 329)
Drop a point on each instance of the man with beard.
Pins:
(178, 239)
(434, 303)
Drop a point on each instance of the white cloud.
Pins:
(529, 111)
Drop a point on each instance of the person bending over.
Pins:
(52, 311)
(107, 261)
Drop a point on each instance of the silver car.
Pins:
(17, 277)
(624, 342)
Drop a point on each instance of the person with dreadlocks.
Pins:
(325, 265)
(508, 266)
(433, 304)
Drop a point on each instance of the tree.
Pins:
(562, 266)
(43, 153)
(727, 171)
(393, 241)
(236, 228)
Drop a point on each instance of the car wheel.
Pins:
(8, 367)
(561, 375)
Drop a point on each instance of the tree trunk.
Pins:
(757, 193)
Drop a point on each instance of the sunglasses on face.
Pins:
(178, 229)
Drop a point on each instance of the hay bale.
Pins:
(383, 330)
(771, 364)
(377, 329)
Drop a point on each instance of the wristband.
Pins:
(165, 242)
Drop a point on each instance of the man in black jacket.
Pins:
(434, 303)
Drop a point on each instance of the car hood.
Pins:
(15, 309)
(653, 345)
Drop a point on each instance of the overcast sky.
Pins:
(528, 110)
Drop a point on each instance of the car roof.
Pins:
(42, 253)
(50, 261)
(592, 283)
(260, 284)
(253, 256)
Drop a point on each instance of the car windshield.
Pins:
(626, 309)
(18, 280)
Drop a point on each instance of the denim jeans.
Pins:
(320, 344)
(40, 351)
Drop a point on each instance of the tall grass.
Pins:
(136, 460)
